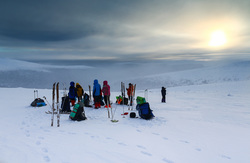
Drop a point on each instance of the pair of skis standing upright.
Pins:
(55, 90)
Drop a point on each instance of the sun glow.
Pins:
(218, 38)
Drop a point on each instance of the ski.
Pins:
(90, 98)
(123, 95)
(108, 103)
(53, 104)
(49, 112)
(133, 96)
(57, 103)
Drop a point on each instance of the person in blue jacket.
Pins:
(97, 94)
(72, 93)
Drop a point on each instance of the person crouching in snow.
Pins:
(106, 92)
(79, 91)
(97, 94)
(72, 93)
(163, 94)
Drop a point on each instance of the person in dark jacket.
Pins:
(72, 93)
(97, 94)
(163, 94)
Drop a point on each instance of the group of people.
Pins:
(78, 92)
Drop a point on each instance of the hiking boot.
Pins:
(106, 106)
(109, 105)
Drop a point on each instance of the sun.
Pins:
(218, 38)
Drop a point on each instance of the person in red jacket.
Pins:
(106, 93)
(130, 92)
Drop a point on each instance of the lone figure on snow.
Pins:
(163, 94)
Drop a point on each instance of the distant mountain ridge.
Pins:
(238, 71)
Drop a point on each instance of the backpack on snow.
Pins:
(74, 111)
(65, 104)
(38, 102)
(140, 100)
(86, 100)
(77, 108)
(144, 111)
(119, 100)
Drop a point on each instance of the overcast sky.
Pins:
(123, 29)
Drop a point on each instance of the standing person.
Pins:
(130, 92)
(72, 93)
(106, 92)
(97, 94)
(163, 94)
(79, 91)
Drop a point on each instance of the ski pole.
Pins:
(108, 108)
(47, 101)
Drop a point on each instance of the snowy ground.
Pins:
(207, 123)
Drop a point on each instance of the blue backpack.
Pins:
(144, 111)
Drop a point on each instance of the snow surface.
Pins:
(207, 123)
(206, 118)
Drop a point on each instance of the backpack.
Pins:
(74, 111)
(119, 100)
(144, 111)
(78, 112)
(140, 100)
(65, 104)
(38, 102)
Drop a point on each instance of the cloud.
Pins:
(115, 28)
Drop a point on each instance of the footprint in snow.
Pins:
(38, 143)
(165, 138)
(122, 144)
(155, 133)
(146, 153)
(226, 157)
(46, 158)
(45, 150)
(108, 138)
(139, 146)
(198, 149)
(40, 137)
(167, 161)
(138, 130)
(184, 141)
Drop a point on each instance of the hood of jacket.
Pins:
(95, 81)
(105, 82)
(72, 84)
